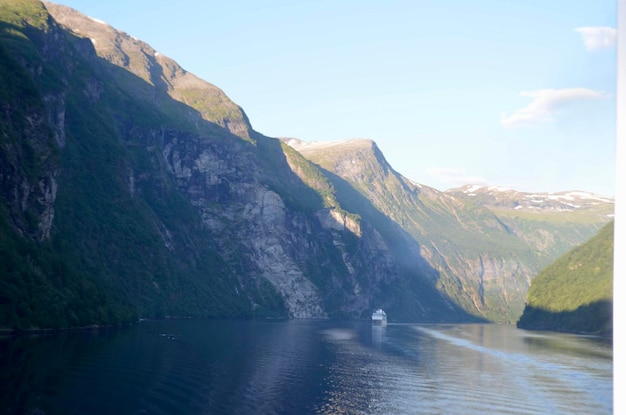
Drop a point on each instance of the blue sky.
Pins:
(512, 93)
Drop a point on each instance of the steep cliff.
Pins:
(91, 233)
(486, 244)
(166, 201)
(29, 156)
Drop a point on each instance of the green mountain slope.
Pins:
(81, 239)
(553, 223)
(131, 188)
(485, 245)
(575, 293)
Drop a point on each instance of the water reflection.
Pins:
(353, 378)
(378, 332)
(465, 369)
(195, 366)
(279, 362)
(32, 367)
(568, 344)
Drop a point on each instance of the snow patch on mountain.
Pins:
(99, 21)
(570, 196)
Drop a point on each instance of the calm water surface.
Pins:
(295, 367)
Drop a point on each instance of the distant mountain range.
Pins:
(497, 197)
(132, 188)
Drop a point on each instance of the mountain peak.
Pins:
(471, 188)
(163, 78)
(312, 146)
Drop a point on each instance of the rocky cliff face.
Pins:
(219, 174)
(31, 133)
(485, 244)
(30, 167)
(249, 223)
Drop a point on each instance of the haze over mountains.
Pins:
(131, 188)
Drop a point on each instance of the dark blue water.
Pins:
(296, 367)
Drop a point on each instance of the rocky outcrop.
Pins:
(339, 221)
(269, 244)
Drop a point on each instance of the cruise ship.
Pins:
(379, 317)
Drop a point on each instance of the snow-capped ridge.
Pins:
(314, 145)
(503, 198)
(535, 197)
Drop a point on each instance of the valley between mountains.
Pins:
(131, 188)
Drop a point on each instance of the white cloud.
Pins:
(598, 37)
(546, 102)
(455, 177)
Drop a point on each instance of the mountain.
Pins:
(552, 222)
(131, 188)
(486, 243)
(575, 293)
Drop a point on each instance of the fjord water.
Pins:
(298, 367)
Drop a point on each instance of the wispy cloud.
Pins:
(545, 102)
(598, 37)
(455, 177)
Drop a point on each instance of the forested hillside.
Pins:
(575, 293)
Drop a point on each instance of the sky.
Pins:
(520, 94)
